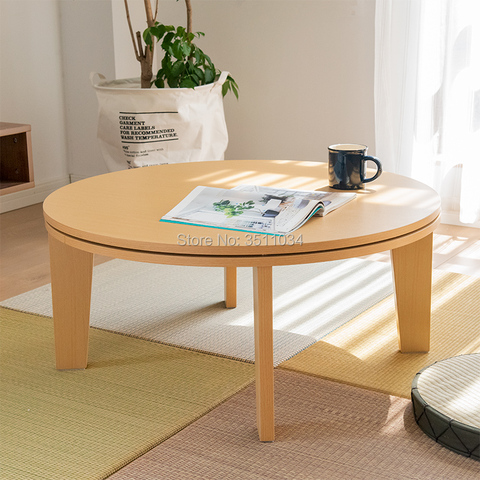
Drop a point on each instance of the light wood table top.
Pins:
(123, 209)
(118, 215)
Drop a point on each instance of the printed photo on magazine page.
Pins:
(252, 208)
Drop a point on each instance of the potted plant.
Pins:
(174, 116)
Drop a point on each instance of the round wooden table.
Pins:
(118, 215)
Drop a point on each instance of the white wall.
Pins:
(87, 46)
(305, 70)
(304, 67)
(31, 84)
(47, 50)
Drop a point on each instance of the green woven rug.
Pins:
(86, 424)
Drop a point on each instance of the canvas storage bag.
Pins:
(141, 127)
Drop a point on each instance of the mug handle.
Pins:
(379, 168)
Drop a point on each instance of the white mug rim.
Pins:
(348, 147)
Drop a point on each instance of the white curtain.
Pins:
(427, 98)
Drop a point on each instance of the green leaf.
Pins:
(186, 49)
(158, 31)
(198, 75)
(224, 88)
(177, 49)
(172, 82)
(166, 64)
(168, 39)
(234, 89)
(147, 36)
(209, 75)
(178, 68)
(187, 83)
(207, 58)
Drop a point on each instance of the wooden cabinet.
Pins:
(16, 165)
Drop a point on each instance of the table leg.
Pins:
(412, 273)
(263, 318)
(230, 287)
(71, 271)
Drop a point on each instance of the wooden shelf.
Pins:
(16, 164)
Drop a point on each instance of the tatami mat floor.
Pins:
(24, 257)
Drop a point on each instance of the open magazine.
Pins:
(252, 208)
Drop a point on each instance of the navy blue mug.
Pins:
(346, 166)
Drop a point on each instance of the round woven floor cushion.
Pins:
(446, 403)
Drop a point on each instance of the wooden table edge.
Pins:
(243, 260)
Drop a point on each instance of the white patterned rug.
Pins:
(184, 306)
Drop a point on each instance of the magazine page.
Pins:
(329, 200)
(254, 210)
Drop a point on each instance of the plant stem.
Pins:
(149, 13)
(137, 55)
(189, 15)
(144, 56)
